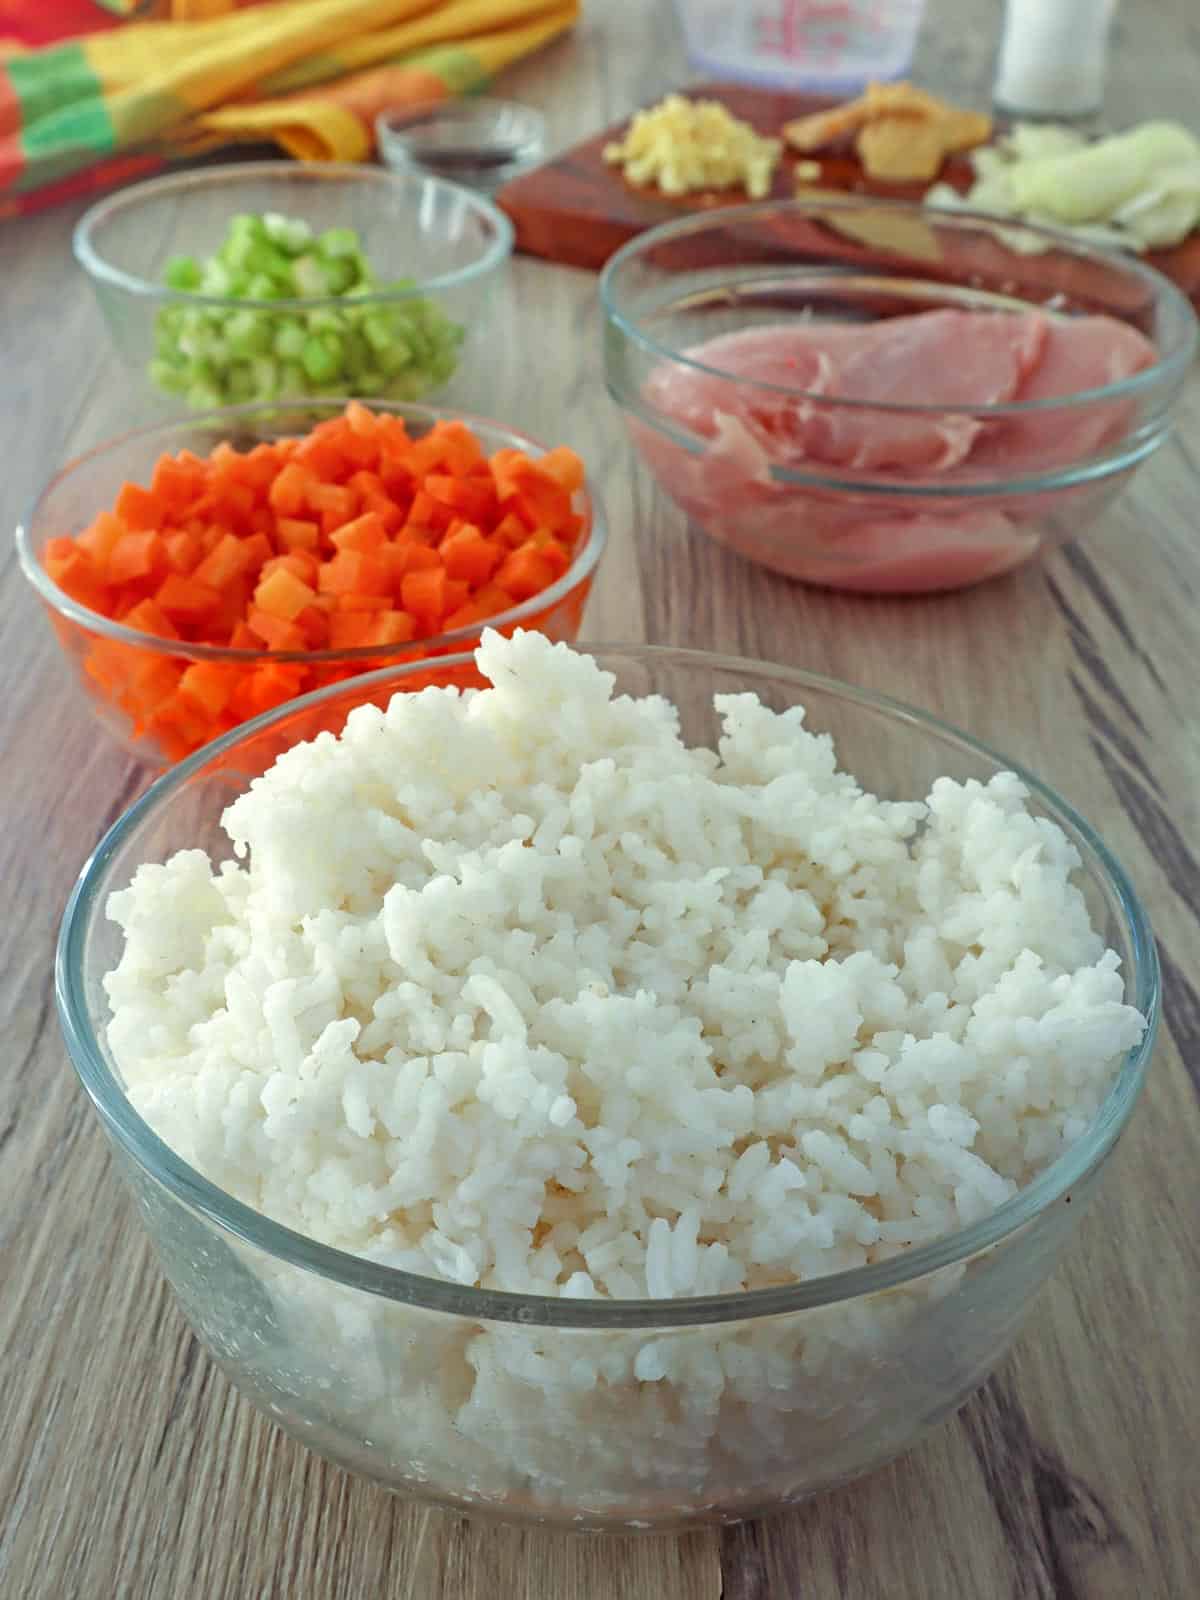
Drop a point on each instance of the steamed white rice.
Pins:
(512, 988)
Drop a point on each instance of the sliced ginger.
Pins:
(902, 133)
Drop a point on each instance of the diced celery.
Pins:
(339, 275)
(325, 320)
(262, 287)
(172, 379)
(393, 358)
(289, 339)
(321, 358)
(350, 344)
(338, 242)
(266, 377)
(309, 277)
(182, 272)
(217, 279)
(204, 397)
(239, 382)
(248, 333)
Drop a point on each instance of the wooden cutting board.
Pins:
(578, 210)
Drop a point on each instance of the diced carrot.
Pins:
(358, 450)
(185, 601)
(391, 627)
(348, 630)
(354, 572)
(466, 616)
(458, 447)
(266, 687)
(455, 594)
(260, 466)
(295, 534)
(232, 501)
(510, 531)
(364, 533)
(73, 570)
(362, 421)
(99, 537)
(276, 632)
(179, 726)
(258, 548)
(494, 599)
(525, 572)
(288, 495)
(175, 482)
(424, 597)
(184, 550)
(320, 451)
(139, 509)
(283, 595)
(410, 555)
(472, 498)
(549, 547)
(541, 503)
(313, 623)
(136, 556)
(426, 512)
(352, 537)
(301, 564)
(209, 685)
(244, 637)
(334, 498)
(397, 476)
(565, 467)
(235, 597)
(151, 616)
(366, 484)
(153, 680)
(467, 554)
(227, 560)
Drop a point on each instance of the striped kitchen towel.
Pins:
(186, 76)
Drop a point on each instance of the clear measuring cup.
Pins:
(823, 46)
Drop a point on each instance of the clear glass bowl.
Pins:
(548, 1410)
(853, 260)
(476, 141)
(452, 244)
(110, 662)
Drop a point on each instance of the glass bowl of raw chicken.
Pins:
(870, 396)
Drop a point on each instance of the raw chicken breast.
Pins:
(774, 402)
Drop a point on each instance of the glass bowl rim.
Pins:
(1173, 362)
(583, 564)
(88, 255)
(155, 1158)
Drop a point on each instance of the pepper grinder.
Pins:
(1052, 58)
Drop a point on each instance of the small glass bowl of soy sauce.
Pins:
(477, 142)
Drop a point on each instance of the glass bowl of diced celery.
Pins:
(276, 280)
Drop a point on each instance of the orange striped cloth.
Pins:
(184, 76)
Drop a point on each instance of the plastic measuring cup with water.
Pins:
(824, 46)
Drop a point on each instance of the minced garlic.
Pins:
(685, 145)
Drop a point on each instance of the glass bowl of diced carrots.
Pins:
(200, 573)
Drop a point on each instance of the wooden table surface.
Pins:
(129, 1468)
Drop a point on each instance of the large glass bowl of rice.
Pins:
(591, 1089)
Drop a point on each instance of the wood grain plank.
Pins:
(129, 1466)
